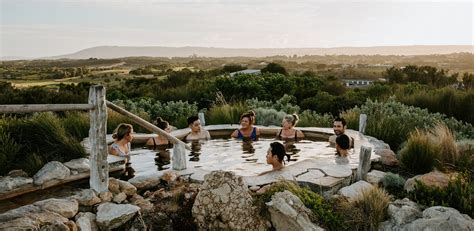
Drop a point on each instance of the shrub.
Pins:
(466, 156)
(444, 138)
(322, 211)
(226, 113)
(312, 119)
(458, 194)
(9, 149)
(283, 104)
(393, 183)
(77, 124)
(266, 117)
(419, 153)
(374, 203)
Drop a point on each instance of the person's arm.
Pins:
(234, 134)
(257, 131)
(149, 142)
(113, 151)
(208, 135)
(300, 134)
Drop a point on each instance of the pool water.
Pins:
(245, 158)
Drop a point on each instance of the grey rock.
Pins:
(289, 213)
(54, 226)
(20, 223)
(145, 182)
(111, 216)
(9, 183)
(80, 165)
(353, 191)
(119, 198)
(106, 196)
(114, 186)
(86, 221)
(127, 188)
(387, 157)
(17, 173)
(50, 171)
(65, 207)
(87, 197)
(374, 177)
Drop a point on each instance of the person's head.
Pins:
(339, 126)
(342, 142)
(276, 153)
(123, 131)
(246, 120)
(290, 121)
(195, 124)
(252, 114)
(163, 124)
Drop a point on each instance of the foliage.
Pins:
(393, 183)
(43, 139)
(445, 140)
(266, 117)
(374, 203)
(274, 68)
(77, 124)
(312, 119)
(226, 113)
(322, 211)
(419, 153)
(9, 149)
(284, 104)
(458, 194)
(466, 156)
(384, 121)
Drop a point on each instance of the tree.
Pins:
(274, 68)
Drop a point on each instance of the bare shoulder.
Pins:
(234, 134)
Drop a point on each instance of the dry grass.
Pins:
(374, 203)
(444, 138)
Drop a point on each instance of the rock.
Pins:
(106, 196)
(431, 179)
(374, 177)
(387, 157)
(86, 221)
(79, 165)
(64, 207)
(17, 173)
(114, 186)
(263, 189)
(55, 226)
(8, 183)
(406, 215)
(378, 144)
(19, 212)
(151, 221)
(87, 197)
(71, 225)
(224, 203)
(127, 188)
(289, 213)
(254, 188)
(145, 205)
(145, 182)
(50, 171)
(111, 216)
(355, 190)
(20, 223)
(119, 198)
(170, 176)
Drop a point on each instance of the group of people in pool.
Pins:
(276, 153)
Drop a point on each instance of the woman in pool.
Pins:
(160, 140)
(197, 133)
(275, 156)
(123, 135)
(246, 130)
(288, 131)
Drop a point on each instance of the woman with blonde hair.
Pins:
(288, 131)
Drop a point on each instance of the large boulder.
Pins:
(20, 223)
(65, 207)
(8, 183)
(111, 216)
(224, 202)
(406, 215)
(431, 179)
(353, 191)
(387, 157)
(79, 165)
(50, 171)
(145, 182)
(86, 221)
(289, 213)
(87, 197)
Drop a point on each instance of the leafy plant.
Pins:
(393, 183)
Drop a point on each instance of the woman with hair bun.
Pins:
(160, 140)
(122, 135)
(246, 131)
(288, 131)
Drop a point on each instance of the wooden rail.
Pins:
(28, 108)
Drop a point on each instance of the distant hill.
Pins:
(156, 51)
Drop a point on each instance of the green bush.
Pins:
(419, 153)
(284, 104)
(312, 119)
(268, 117)
(393, 183)
(9, 150)
(77, 124)
(322, 211)
(458, 194)
(226, 113)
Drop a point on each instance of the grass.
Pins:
(226, 113)
(374, 203)
(419, 153)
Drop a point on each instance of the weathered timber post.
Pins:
(202, 119)
(362, 123)
(99, 178)
(364, 163)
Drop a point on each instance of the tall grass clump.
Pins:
(268, 116)
(77, 124)
(310, 118)
(9, 149)
(446, 141)
(226, 113)
(466, 156)
(322, 212)
(419, 153)
(374, 203)
(42, 138)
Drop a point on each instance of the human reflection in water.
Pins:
(247, 145)
(162, 156)
(195, 150)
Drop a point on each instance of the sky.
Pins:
(41, 28)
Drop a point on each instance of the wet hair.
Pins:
(191, 119)
(279, 150)
(343, 141)
(293, 119)
(121, 131)
(342, 120)
(248, 115)
(163, 124)
(252, 114)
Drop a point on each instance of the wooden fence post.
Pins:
(99, 176)
(364, 163)
(362, 123)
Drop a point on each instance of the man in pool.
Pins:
(339, 126)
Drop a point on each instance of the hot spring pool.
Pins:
(242, 157)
